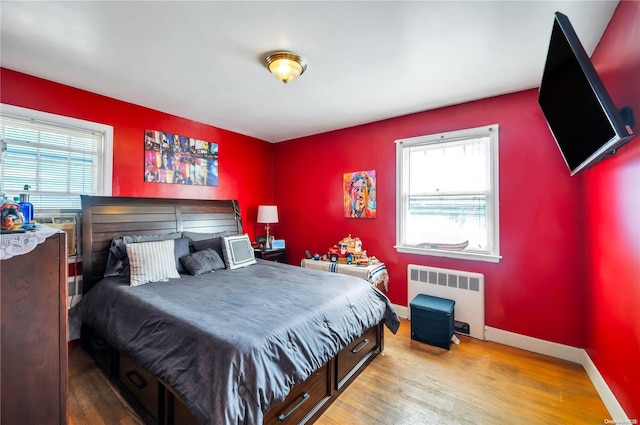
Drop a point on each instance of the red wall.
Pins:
(612, 201)
(535, 290)
(240, 156)
(570, 271)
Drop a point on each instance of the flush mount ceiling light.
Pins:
(286, 66)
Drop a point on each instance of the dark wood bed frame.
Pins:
(104, 218)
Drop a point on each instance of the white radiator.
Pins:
(465, 288)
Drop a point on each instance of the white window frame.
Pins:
(493, 216)
(104, 184)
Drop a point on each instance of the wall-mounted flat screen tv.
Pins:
(582, 117)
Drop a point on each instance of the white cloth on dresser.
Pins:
(376, 274)
(12, 244)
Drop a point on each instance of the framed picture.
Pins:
(277, 244)
(171, 158)
(359, 189)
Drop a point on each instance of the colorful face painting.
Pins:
(170, 158)
(359, 194)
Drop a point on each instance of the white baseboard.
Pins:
(565, 352)
(608, 398)
(536, 345)
(401, 311)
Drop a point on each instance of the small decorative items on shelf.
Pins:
(17, 214)
(349, 251)
(12, 218)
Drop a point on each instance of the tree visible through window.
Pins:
(448, 194)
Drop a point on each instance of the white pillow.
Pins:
(237, 251)
(151, 262)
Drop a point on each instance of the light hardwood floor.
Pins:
(476, 382)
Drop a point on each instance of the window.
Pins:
(60, 158)
(447, 194)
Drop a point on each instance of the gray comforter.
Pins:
(232, 343)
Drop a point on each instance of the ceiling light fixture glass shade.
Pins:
(286, 66)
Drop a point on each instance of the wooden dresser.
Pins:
(33, 338)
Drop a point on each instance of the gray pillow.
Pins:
(213, 243)
(203, 261)
(211, 237)
(115, 261)
(180, 249)
(197, 236)
(118, 261)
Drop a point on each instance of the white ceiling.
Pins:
(368, 60)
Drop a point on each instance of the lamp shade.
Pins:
(267, 214)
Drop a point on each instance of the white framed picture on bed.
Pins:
(237, 251)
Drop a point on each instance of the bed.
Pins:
(261, 343)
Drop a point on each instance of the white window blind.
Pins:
(59, 162)
(447, 194)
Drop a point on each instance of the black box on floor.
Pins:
(432, 320)
(462, 327)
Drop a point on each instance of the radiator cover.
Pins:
(465, 288)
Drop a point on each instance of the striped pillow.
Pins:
(151, 262)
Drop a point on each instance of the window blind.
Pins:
(59, 163)
(447, 192)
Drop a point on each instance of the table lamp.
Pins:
(267, 214)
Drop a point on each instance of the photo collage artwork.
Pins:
(170, 158)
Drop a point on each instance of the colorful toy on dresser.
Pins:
(17, 213)
(349, 251)
(11, 216)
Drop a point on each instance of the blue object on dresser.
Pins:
(432, 320)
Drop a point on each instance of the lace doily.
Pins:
(12, 244)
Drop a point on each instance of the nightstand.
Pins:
(277, 255)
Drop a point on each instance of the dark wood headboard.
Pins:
(105, 217)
